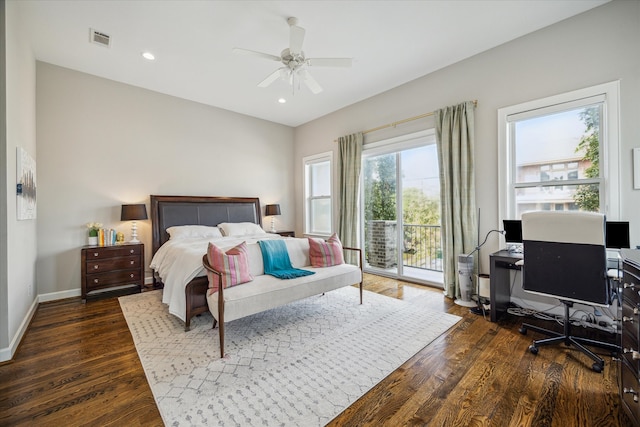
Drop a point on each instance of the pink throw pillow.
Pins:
(233, 264)
(325, 254)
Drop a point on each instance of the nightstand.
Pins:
(286, 233)
(111, 269)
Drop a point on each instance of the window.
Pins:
(560, 153)
(318, 203)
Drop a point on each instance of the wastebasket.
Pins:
(465, 280)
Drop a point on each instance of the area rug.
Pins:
(298, 365)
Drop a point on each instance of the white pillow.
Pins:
(240, 228)
(190, 231)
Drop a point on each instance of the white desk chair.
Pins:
(565, 258)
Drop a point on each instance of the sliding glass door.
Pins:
(401, 210)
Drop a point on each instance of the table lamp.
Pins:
(133, 213)
(272, 210)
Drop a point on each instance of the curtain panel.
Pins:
(455, 141)
(350, 161)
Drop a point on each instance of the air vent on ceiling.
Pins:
(99, 38)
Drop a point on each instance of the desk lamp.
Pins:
(133, 213)
(272, 210)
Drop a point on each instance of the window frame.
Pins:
(307, 163)
(609, 146)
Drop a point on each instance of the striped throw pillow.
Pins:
(325, 254)
(233, 264)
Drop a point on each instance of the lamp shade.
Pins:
(272, 210)
(133, 212)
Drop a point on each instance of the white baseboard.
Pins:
(54, 296)
(8, 352)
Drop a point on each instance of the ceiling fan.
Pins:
(294, 62)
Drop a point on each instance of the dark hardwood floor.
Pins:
(77, 365)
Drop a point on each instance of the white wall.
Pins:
(20, 132)
(595, 47)
(103, 143)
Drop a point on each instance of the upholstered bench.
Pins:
(264, 292)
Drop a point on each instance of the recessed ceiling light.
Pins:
(148, 55)
(282, 100)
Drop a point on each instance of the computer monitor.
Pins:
(513, 230)
(617, 235)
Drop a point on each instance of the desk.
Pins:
(501, 264)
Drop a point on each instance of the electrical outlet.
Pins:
(30, 290)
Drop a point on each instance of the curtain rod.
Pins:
(399, 122)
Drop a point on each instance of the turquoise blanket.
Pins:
(276, 260)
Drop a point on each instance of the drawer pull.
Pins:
(627, 319)
(631, 391)
(130, 251)
(133, 262)
(95, 267)
(96, 253)
(634, 354)
(95, 280)
(627, 285)
(132, 278)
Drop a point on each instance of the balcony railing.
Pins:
(422, 246)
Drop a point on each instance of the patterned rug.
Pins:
(298, 365)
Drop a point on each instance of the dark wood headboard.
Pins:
(167, 211)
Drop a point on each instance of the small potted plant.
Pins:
(93, 232)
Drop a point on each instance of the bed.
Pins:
(171, 211)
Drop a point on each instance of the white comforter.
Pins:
(179, 261)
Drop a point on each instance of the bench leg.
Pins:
(221, 331)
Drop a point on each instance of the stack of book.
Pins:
(106, 237)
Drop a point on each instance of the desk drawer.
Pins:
(631, 284)
(630, 316)
(629, 389)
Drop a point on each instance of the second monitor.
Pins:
(617, 235)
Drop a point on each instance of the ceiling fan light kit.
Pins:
(294, 69)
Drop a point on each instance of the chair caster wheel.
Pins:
(533, 349)
(597, 367)
(523, 331)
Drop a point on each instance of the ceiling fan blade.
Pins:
(330, 62)
(311, 83)
(271, 78)
(242, 51)
(296, 38)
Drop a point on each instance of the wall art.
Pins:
(26, 176)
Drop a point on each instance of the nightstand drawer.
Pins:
(286, 233)
(108, 264)
(112, 278)
(113, 251)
